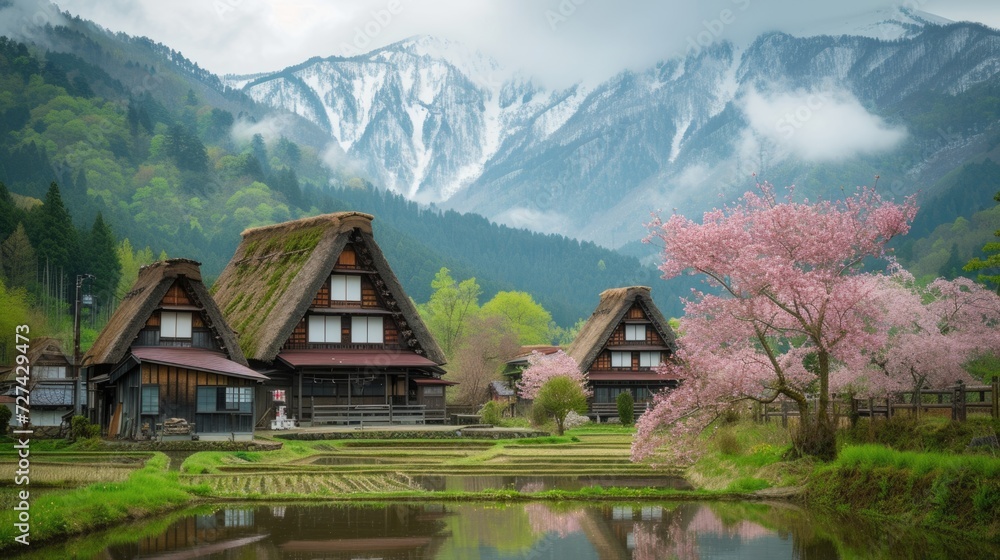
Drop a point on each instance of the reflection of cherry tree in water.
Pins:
(543, 520)
(677, 537)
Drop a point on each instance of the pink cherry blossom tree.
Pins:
(542, 367)
(933, 332)
(793, 305)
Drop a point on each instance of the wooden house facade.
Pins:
(167, 354)
(318, 309)
(52, 383)
(619, 347)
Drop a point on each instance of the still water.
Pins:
(492, 531)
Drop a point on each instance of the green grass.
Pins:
(151, 489)
(939, 490)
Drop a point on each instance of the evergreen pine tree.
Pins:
(102, 259)
(52, 232)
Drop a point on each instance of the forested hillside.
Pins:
(184, 166)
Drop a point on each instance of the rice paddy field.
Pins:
(354, 468)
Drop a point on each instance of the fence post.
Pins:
(995, 397)
(958, 402)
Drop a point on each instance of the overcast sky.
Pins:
(555, 39)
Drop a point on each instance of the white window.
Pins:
(649, 359)
(324, 328)
(48, 372)
(174, 324)
(621, 359)
(366, 329)
(635, 332)
(345, 288)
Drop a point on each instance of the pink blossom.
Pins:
(793, 306)
(542, 367)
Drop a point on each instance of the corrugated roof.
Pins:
(501, 389)
(199, 359)
(628, 376)
(354, 358)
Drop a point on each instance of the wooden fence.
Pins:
(957, 401)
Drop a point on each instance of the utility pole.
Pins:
(79, 390)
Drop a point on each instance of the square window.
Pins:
(635, 332)
(649, 359)
(345, 288)
(174, 324)
(621, 359)
(324, 329)
(366, 330)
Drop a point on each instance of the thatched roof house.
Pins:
(277, 270)
(315, 304)
(168, 352)
(146, 296)
(622, 343)
(52, 382)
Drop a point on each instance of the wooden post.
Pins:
(958, 402)
(995, 397)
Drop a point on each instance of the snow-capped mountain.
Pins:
(439, 124)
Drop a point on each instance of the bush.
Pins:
(728, 443)
(539, 418)
(81, 428)
(626, 408)
(492, 413)
(5, 415)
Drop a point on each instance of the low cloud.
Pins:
(534, 220)
(271, 128)
(819, 125)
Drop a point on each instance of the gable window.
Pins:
(324, 328)
(48, 372)
(175, 324)
(649, 359)
(345, 288)
(635, 332)
(366, 329)
(621, 359)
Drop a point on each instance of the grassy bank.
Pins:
(148, 490)
(942, 491)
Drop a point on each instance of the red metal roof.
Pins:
(354, 358)
(628, 376)
(433, 381)
(195, 358)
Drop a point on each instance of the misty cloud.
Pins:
(822, 125)
(535, 220)
(560, 41)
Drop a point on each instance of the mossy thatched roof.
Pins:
(277, 270)
(615, 303)
(145, 296)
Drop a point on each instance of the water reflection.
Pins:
(539, 483)
(688, 531)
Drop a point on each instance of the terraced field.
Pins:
(356, 467)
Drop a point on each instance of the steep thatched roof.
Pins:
(614, 304)
(271, 281)
(152, 284)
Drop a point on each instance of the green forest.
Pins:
(99, 179)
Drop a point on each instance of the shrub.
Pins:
(538, 416)
(492, 413)
(626, 408)
(5, 415)
(81, 428)
(727, 443)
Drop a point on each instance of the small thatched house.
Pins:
(52, 384)
(317, 307)
(620, 345)
(168, 353)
